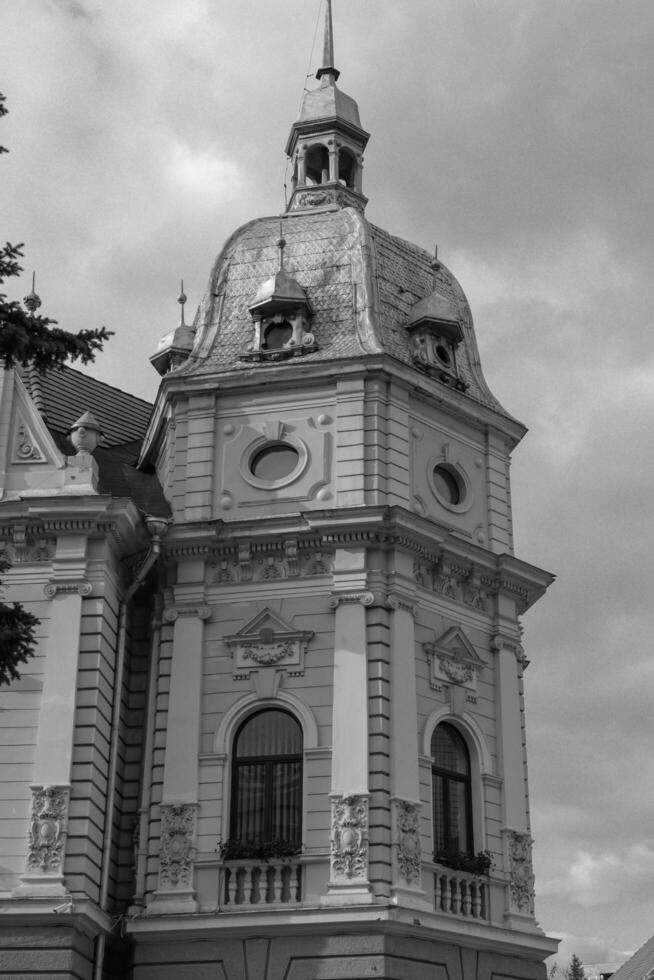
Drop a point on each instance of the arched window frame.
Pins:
(481, 766)
(270, 765)
(224, 739)
(453, 781)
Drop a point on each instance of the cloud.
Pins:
(590, 949)
(601, 878)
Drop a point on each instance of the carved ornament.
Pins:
(337, 599)
(47, 829)
(406, 840)
(173, 613)
(521, 871)
(349, 838)
(177, 846)
(288, 560)
(269, 641)
(454, 660)
(82, 588)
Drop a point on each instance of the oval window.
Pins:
(278, 335)
(448, 484)
(274, 462)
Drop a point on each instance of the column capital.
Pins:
(365, 598)
(75, 586)
(172, 613)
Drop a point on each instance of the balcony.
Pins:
(252, 883)
(459, 893)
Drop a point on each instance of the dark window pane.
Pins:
(269, 733)
(449, 750)
(274, 462)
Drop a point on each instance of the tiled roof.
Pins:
(361, 281)
(640, 965)
(63, 395)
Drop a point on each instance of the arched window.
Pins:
(346, 168)
(451, 792)
(317, 165)
(267, 779)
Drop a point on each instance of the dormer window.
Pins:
(435, 336)
(281, 314)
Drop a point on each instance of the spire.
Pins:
(328, 48)
(326, 142)
(32, 301)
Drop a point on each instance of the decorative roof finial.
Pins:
(32, 301)
(181, 299)
(328, 47)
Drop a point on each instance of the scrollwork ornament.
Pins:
(521, 872)
(407, 840)
(47, 829)
(83, 589)
(177, 847)
(349, 838)
(267, 653)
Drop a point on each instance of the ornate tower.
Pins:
(277, 722)
(341, 622)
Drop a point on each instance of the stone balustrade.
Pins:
(251, 883)
(460, 893)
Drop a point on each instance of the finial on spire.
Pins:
(181, 299)
(32, 301)
(328, 47)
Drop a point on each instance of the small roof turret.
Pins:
(326, 143)
(174, 347)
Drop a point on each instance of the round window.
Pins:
(443, 354)
(274, 462)
(278, 335)
(448, 484)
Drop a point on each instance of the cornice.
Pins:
(282, 547)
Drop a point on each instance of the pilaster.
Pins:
(349, 785)
(67, 587)
(175, 892)
(405, 778)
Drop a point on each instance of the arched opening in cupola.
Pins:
(317, 165)
(346, 168)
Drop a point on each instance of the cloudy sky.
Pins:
(519, 136)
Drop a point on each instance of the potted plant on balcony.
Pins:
(479, 864)
(235, 849)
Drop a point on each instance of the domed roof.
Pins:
(362, 283)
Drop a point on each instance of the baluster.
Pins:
(456, 896)
(476, 901)
(278, 882)
(232, 885)
(466, 888)
(248, 888)
(297, 880)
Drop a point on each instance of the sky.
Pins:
(518, 135)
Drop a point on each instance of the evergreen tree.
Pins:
(575, 970)
(29, 339)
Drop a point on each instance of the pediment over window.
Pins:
(454, 660)
(268, 641)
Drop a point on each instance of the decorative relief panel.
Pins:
(254, 564)
(521, 886)
(46, 838)
(260, 458)
(25, 546)
(453, 660)
(177, 846)
(268, 641)
(349, 839)
(406, 841)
